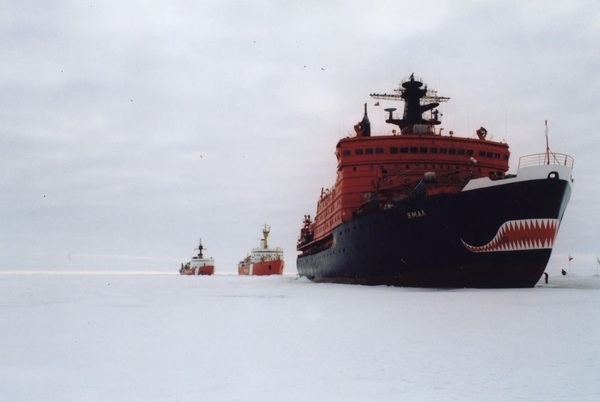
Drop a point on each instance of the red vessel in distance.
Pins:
(198, 265)
(263, 260)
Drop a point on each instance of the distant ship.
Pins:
(198, 265)
(263, 260)
(418, 208)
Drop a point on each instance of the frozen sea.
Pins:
(165, 337)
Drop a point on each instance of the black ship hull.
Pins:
(496, 236)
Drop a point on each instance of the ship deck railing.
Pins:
(546, 158)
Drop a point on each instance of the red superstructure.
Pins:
(394, 165)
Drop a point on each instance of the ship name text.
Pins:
(416, 214)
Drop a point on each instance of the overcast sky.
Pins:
(130, 129)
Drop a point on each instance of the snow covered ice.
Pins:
(163, 337)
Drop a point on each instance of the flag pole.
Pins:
(547, 161)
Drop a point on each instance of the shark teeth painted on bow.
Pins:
(524, 234)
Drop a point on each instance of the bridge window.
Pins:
(452, 151)
(394, 150)
(461, 151)
(481, 153)
(369, 151)
(358, 152)
(346, 152)
(433, 150)
(469, 152)
(489, 154)
(414, 150)
(378, 150)
(443, 150)
(404, 150)
(423, 150)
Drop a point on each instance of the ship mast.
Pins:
(412, 93)
(266, 231)
(547, 145)
(363, 128)
(200, 248)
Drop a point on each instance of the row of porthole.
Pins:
(425, 150)
(422, 166)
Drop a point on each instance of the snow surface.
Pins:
(165, 337)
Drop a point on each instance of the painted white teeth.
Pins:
(524, 234)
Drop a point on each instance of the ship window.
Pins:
(358, 151)
(496, 156)
(489, 154)
(423, 150)
(346, 152)
(433, 150)
(469, 152)
(452, 151)
(394, 150)
(414, 150)
(505, 157)
(443, 151)
(407, 166)
(404, 150)
(369, 151)
(378, 150)
(461, 151)
(481, 153)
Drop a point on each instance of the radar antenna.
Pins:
(417, 100)
(430, 96)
